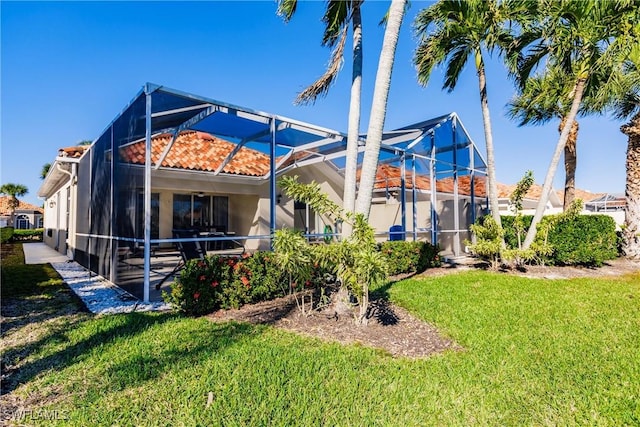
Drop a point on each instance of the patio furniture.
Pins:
(188, 250)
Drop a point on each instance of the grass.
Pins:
(536, 352)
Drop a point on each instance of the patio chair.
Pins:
(188, 251)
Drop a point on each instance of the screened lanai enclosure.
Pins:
(173, 161)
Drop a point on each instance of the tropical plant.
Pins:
(518, 254)
(338, 15)
(13, 191)
(379, 106)
(489, 240)
(580, 38)
(354, 260)
(621, 95)
(543, 99)
(45, 170)
(451, 32)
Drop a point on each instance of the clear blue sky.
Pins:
(68, 68)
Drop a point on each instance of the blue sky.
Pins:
(68, 68)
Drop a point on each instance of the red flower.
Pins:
(202, 278)
(307, 283)
(214, 284)
(245, 255)
(202, 264)
(231, 262)
(196, 295)
(315, 265)
(244, 280)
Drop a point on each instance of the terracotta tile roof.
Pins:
(389, 177)
(74, 152)
(23, 206)
(586, 196)
(199, 151)
(505, 191)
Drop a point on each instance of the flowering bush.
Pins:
(409, 257)
(199, 288)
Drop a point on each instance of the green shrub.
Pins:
(35, 234)
(584, 240)
(200, 287)
(409, 257)
(228, 282)
(6, 233)
(581, 240)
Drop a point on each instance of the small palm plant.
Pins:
(354, 260)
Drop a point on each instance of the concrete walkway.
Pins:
(39, 253)
(98, 294)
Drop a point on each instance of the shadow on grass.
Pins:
(116, 330)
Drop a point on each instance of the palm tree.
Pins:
(337, 17)
(379, 106)
(579, 37)
(453, 31)
(45, 170)
(13, 191)
(545, 98)
(621, 95)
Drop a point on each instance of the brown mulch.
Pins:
(391, 328)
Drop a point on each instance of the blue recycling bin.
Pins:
(396, 232)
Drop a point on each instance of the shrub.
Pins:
(584, 240)
(580, 240)
(488, 245)
(409, 257)
(35, 234)
(228, 282)
(6, 233)
(200, 287)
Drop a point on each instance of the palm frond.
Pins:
(286, 9)
(321, 86)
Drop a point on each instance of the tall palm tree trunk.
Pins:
(631, 230)
(353, 131)
(379, 106)
(488, 137)
(570, 163)
(553, 166)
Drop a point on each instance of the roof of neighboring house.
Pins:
(534, 193)
(585, 196)
(23, 206)
(197, 151)
(389, 177)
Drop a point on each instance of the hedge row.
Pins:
(6, 233)
(584, 240)
(409, 257)
(229, 282)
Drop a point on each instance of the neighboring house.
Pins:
(26, 215)
(174, 161)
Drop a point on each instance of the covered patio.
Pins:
(174, 161)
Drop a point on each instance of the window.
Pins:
(22, 222)
(201, 212)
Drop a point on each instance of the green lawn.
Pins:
(536, 352)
